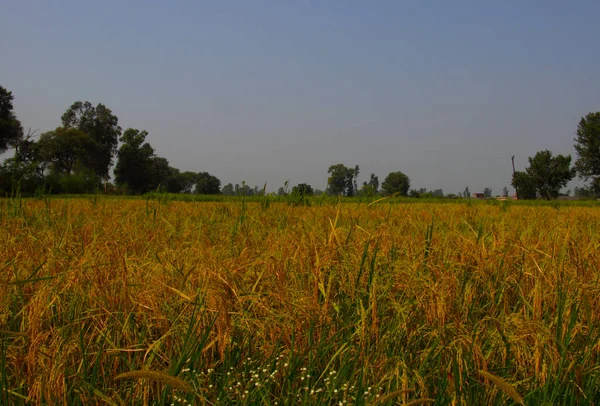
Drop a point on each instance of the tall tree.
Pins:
(524, 185)
(587, 145)
(342, 180)
(102, 125)
(372, 187)
(396, 182)
(11, 131)
(549, 173)
(467, 193)
(505, 191)
(487, 192)
(207, 184)
(64, 148)
(135, 162)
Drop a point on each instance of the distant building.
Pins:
(479, 195)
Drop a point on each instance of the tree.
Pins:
(372, 187)
(162, 174)
(342, 180)
(487, 192)
(302, 189)
(396, 182)
(505, 191)
(467, 193)
(11, 131)
(228, 190)
(64, 148)
(188, 181)
(207, 184)
(102, 125)
(524, 185)
(587, 145)
(438, 193)
(549, 173)
(135, 162)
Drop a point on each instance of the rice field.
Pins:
(123, 301)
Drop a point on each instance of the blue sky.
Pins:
(269, 91)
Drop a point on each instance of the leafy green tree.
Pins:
(396, 182)
(549, 173)
(372, 187)
(102, 125)
(207, 184)
(438, 193)
(505, 192)
(11, 131)
(303, 189)
(487, 192)
(135, 162)
(342, 180)
(162, 173)
(467, 193)
(65, 148)
(587, 145)
(524, 185)
(188, 181)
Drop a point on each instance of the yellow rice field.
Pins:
(108, 301)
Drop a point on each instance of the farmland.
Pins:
(150, 301)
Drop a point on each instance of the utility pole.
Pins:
(514, 176)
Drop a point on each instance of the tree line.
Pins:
(77, 157)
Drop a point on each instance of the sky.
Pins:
(274, 91)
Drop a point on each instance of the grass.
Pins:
(270, 301)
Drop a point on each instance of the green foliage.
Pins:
(207, 184)
(524, 185)
(342, 180)
(135, 162)
(188, 181)
(549, 173)
(64, 148)
(487, 192)
(396, 183)
(11, 131)
(587, 145)
(102, 125)
(371, 188)
(303, 189)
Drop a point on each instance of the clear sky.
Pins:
(269, 91)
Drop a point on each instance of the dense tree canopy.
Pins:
(135, 162)
(65, 148)
(524, 185)
(207, 184)
(587, 145)
(102, 125)
(396, 182)
(546, 174)
(11, 131)
(342, 180)
(303, 189)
